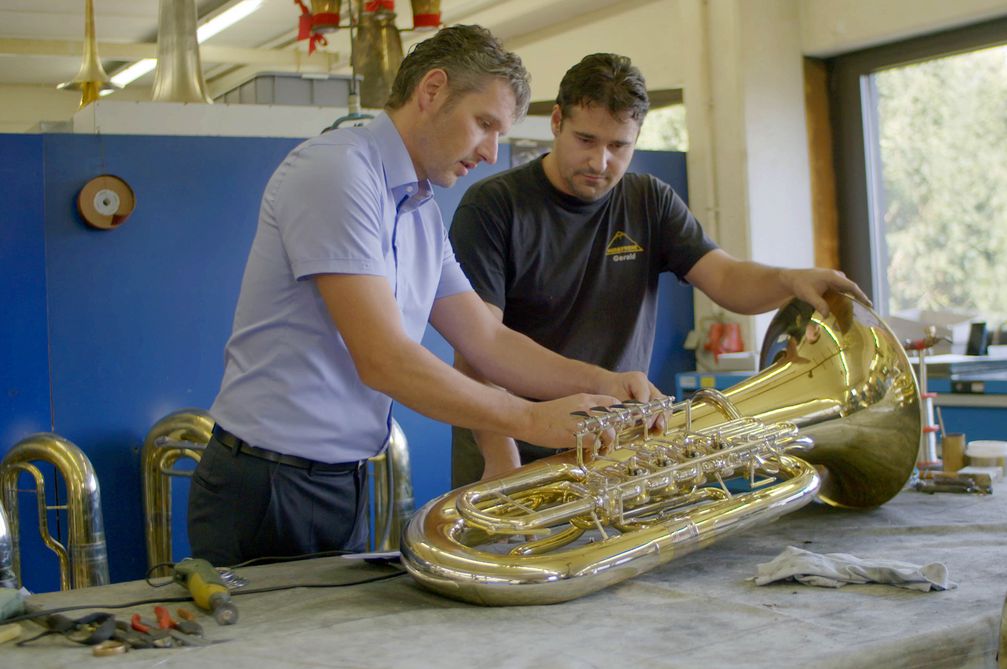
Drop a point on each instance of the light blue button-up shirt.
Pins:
(346, 202)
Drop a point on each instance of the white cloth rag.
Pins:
(834, 570)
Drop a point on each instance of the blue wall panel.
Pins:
(138, 316)
(24, 355)
(140, 313)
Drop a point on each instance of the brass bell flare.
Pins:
(92, 79)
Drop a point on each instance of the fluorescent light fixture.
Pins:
(226, 19)
(218, 23)
(133, 72)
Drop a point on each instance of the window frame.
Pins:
(862, 251)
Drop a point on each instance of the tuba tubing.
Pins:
(84, 560)
(180, 434)
(834, 414)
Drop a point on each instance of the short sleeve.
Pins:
(683, 241)
(328, 206)
(481, 247)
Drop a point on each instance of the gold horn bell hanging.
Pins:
(179, 73)
(92, 79)
(377, 54)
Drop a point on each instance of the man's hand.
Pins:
(553, 425)
(628, 386)
(811, 284)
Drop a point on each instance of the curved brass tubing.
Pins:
(84, 560)
(835, 413)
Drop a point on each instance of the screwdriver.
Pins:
(207, 588)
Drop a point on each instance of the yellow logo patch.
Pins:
(622, 243)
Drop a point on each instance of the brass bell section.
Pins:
(179, 73)
(181, 434)
(835, 414)
(376, 56)
(83, 562)
(91, 79)
(185, 433)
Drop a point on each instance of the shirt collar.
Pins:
(400, 174)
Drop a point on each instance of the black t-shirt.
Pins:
(580, 278)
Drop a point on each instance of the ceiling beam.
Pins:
(320, 60)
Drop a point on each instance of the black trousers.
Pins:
(242, 507)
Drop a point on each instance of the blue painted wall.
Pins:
(130, 324)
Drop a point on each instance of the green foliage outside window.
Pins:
(943, 149)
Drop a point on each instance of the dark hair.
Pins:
(469, 55)
(608, 80)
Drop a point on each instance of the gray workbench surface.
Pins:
(699, 611)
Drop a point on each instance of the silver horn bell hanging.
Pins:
(179, 74)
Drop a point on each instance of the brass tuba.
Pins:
(84, 560)
(185, 433)
(835, 413)
(181, 434)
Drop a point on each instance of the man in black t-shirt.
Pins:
(568, 249)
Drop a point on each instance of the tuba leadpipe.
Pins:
(84, 560)
(835, 414)
(181, 434)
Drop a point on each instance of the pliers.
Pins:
(185, 632)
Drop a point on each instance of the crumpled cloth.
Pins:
(834, 570)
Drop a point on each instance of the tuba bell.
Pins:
(83, 562)
(834, 414)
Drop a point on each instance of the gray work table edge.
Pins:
(699, 610)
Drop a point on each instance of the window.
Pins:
(921, 132)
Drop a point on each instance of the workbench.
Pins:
(699, 611)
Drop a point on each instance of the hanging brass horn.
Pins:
(181, 434)
(179, 73)
(91, 80)
(185, 433)
(376, 56)
(834, 413)
(84, 560)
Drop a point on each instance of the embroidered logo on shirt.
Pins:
(622, 247)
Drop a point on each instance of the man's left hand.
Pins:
(811, 284)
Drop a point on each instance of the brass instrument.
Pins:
(376, 56)
(84, 560)
(393, 504)
(7, 574)
(834, 413)
(179, 73)
(185, 433)
(181, 434)
(91, 79)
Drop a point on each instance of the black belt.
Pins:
(236, 445)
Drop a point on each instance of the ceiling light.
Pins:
(218, 23)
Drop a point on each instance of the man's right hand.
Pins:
(553, 425)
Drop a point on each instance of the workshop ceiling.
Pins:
(41, 41)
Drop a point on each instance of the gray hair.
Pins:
(470, 55)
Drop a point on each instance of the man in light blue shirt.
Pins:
(350, 261)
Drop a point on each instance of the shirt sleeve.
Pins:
(480, 245)
(453, 279)
(329, 210)
(683, 241)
